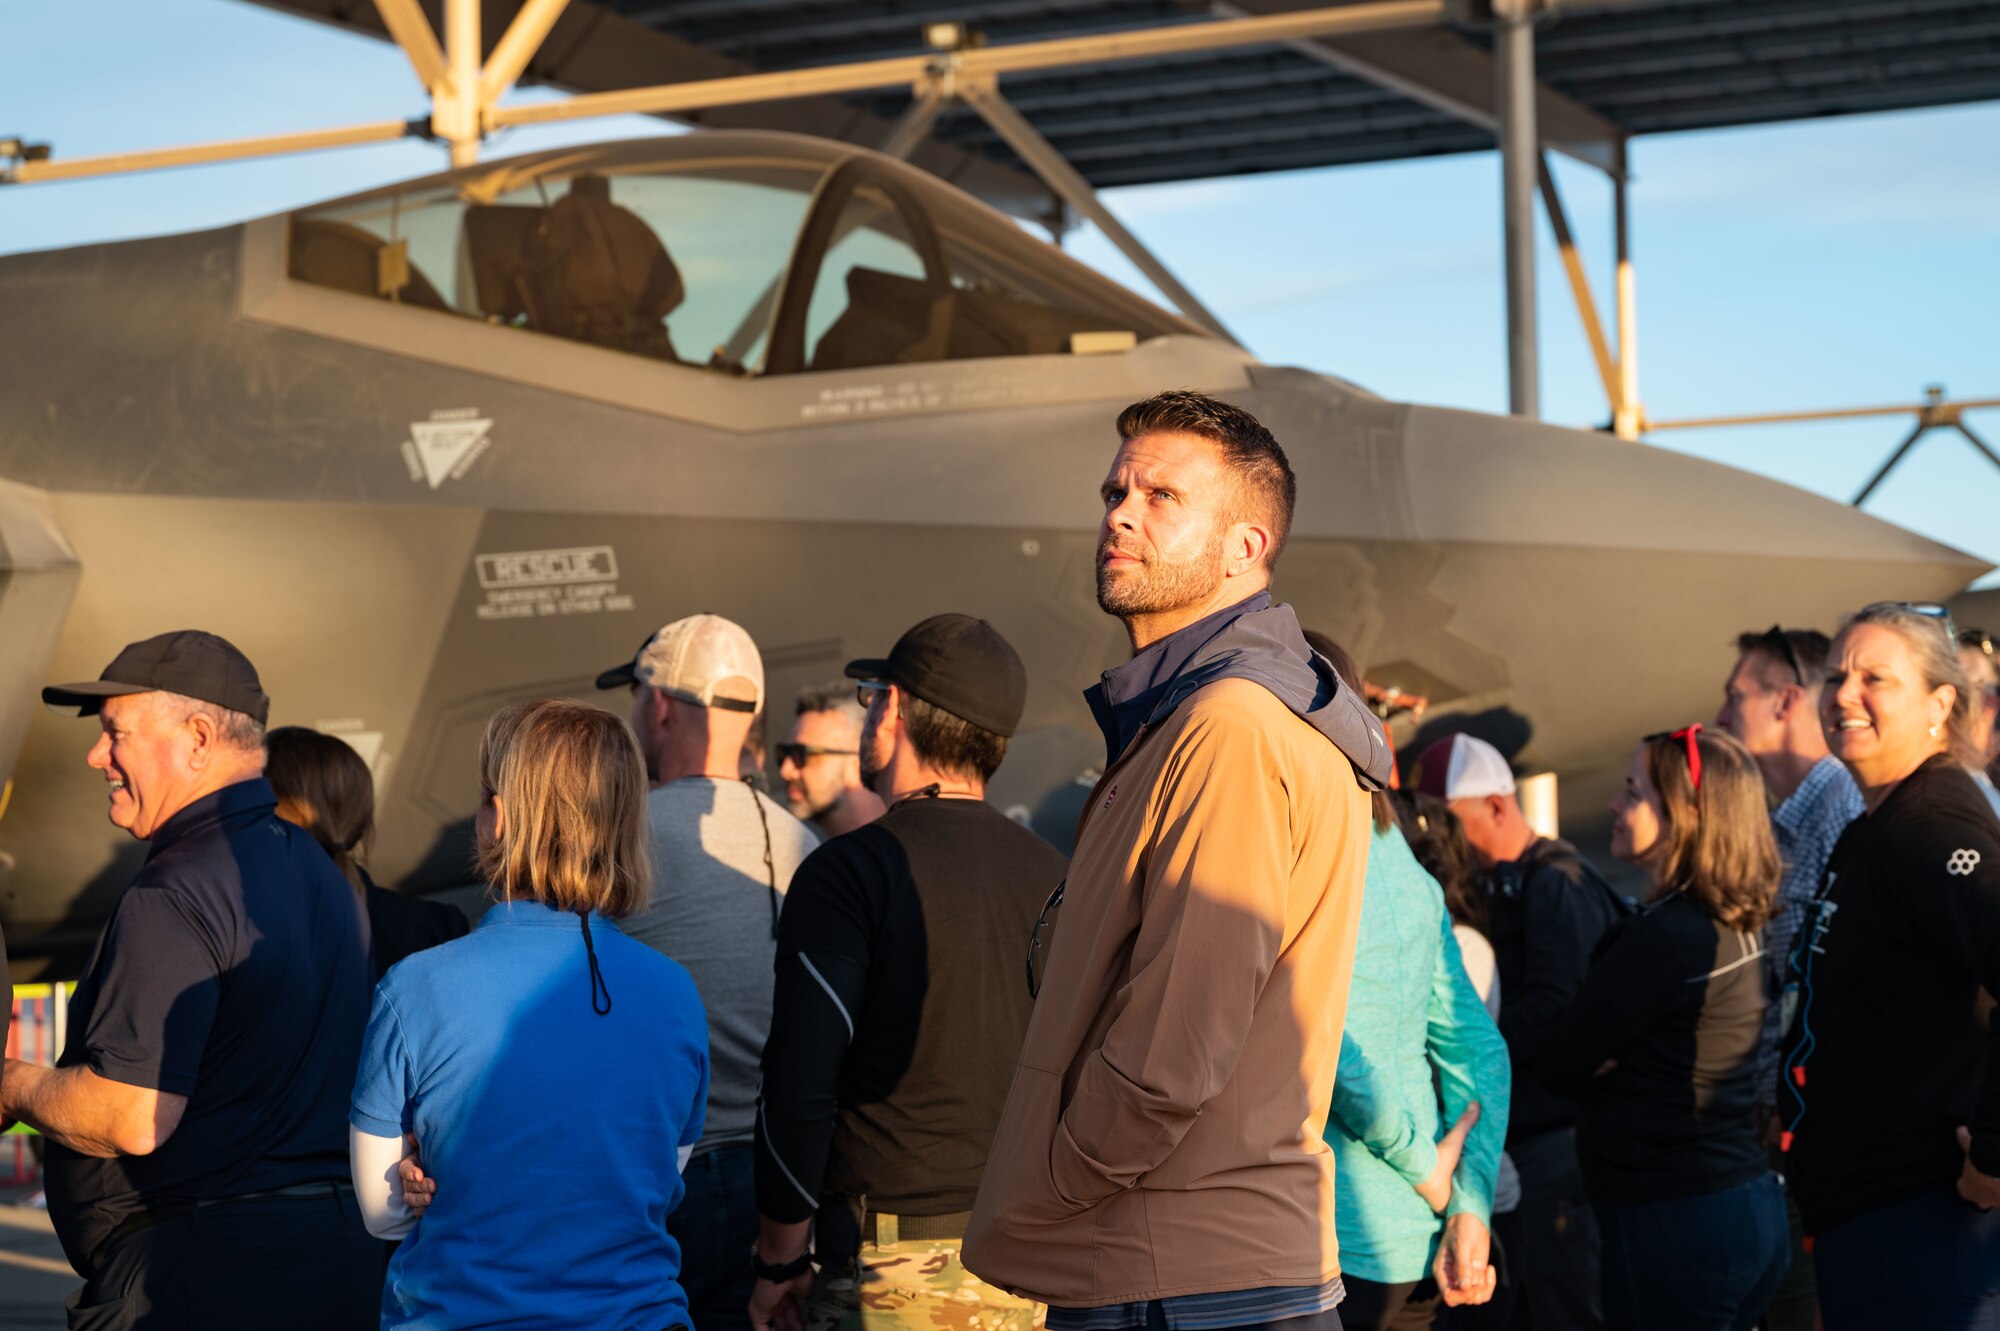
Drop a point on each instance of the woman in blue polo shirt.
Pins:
(545, 1065)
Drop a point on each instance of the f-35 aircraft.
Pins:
(471, 438)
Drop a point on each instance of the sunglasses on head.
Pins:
(1779, 644)
(796, 754)
(1934, 612)
(1977, 639)
(1687, 735)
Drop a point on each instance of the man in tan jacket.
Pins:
(1159, 1163)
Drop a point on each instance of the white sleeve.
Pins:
(685, 1154)
(377, 1186)
(1480, 966)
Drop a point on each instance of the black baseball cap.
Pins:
(188, 662)
(958, 663)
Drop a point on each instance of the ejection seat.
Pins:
(583, 269)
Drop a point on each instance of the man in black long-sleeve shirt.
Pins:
(1547, 910)
(901, 1004)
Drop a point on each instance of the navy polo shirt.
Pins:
(234, 971)
(552, 1131)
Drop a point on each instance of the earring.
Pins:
(1934, 731)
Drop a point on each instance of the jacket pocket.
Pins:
(1024, 1237)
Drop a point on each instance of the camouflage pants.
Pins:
(914, 1286)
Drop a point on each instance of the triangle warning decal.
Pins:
(445, 447)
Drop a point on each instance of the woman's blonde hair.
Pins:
(1718, 843)
(573, 788)
(1931, 641)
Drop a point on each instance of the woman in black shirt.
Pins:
(1890, 1094)
(323, 786)
(1660, 1046)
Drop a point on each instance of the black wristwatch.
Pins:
(782, 1272)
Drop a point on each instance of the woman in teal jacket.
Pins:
(1416, 1032)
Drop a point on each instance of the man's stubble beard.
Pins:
(869, 771)
(1154, 587)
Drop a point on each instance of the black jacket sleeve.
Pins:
(1630, 985)
(1563, 916)
(825, 945)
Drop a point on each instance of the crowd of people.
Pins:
(1291, 1039)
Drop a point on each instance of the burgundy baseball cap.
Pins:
(1461, 767)
(188, 662)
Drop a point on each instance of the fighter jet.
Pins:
(472, 438)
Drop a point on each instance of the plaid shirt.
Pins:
(1806, 825)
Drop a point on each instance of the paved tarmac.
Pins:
(35, 1279)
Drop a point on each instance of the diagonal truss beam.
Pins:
(1443, 71)
(409, 29)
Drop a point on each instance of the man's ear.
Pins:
(204, 738)
(1246, 548)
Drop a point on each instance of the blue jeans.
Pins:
(715, 1224)
(1927, 1263)
(1704, 1263)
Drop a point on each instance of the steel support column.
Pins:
(1628, 418)
(1520, 150)
(455, 117)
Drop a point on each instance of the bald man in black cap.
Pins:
(901, 1003)
(197, 1167)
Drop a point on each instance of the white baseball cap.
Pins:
(1460, 767)
(703, 659)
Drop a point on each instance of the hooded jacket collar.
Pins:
(1254, 640)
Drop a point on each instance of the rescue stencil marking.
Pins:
(535, 584)
(445, 446)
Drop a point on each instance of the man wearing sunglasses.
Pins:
(1160, 1162)
(820, 762)
(1977, 658)
(1770, 702)
(899, 1008)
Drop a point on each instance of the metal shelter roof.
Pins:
(1646, 68)
(1609, 68)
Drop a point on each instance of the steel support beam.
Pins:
(1579, 284)
(517, 46)
(1441, 70)
(917, 122)
(1514, 49)
(1882, 474)
(1061, 177)
(232, 150)
(409, 29)
(1145, 43)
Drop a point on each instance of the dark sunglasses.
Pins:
(1977, 639)
(1779, 644)
(866, 691)
(1687, 735)
(1038, 951)
(796, 754)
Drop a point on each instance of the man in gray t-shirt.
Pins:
(723, 855)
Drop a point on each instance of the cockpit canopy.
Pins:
(743, 253)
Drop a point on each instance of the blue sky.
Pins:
(1819, 264)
